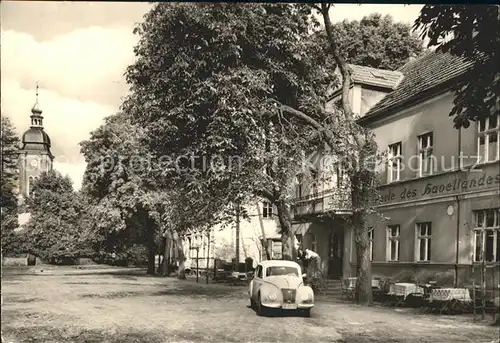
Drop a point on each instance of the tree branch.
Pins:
(266, 194)
(316, 7)
(344, 71)
(329, 135)
(298, 114)
(339, 60)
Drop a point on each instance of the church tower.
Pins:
(35, 156)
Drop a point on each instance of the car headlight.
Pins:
(272, 296)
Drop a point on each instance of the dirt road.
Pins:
(109, 307)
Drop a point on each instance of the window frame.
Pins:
(485, 134)
(427, 238)
(299, 187)
(391, 238)
(425, 153)
(398, 158)
(371, 237)
(267, 210)
(481, 230)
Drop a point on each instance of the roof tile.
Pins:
(375, 77)
(421, 75)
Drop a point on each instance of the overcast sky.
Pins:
(78, 52)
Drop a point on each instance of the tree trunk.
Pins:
(161, 249)
(364, 294)
(166, 255)
(151, 247)
(287, 239)
(263, 240)
(180, 253)
(363, 194)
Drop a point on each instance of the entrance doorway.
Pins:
(336, 247)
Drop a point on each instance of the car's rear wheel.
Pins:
(306, 312)
(252, 303)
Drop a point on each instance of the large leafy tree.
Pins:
(354, 146)
(471, 32)
(375, 41)
(54, 230)
(119, 182)
(116, 184)
(9, 179)
(199, 88)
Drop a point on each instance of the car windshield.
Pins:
(279, 270)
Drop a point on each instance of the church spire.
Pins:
(36, 112)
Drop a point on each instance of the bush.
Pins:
(136, 255)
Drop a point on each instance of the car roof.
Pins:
(282, 263)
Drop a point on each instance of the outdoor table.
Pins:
(450, 299)
(402, 290)
(448, 294)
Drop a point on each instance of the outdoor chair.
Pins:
(385, 298)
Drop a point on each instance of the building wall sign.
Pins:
(448, 184)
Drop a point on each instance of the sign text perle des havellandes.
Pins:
(437, 189)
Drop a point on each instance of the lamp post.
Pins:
(237, 259)
(208, 253)
(197, 248)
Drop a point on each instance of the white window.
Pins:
(370, 242)
(267, 210)
(487, 235)
(395, 162)
(190, 246)
(488, 139)
(392, 253)
(423, 248)
(425, 143)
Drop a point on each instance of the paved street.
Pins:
(58, 305)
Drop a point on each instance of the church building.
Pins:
(35, 156)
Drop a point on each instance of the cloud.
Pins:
(77, 72)
(74, 171)
(47, 19)
(85, 64)
(80, 65)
